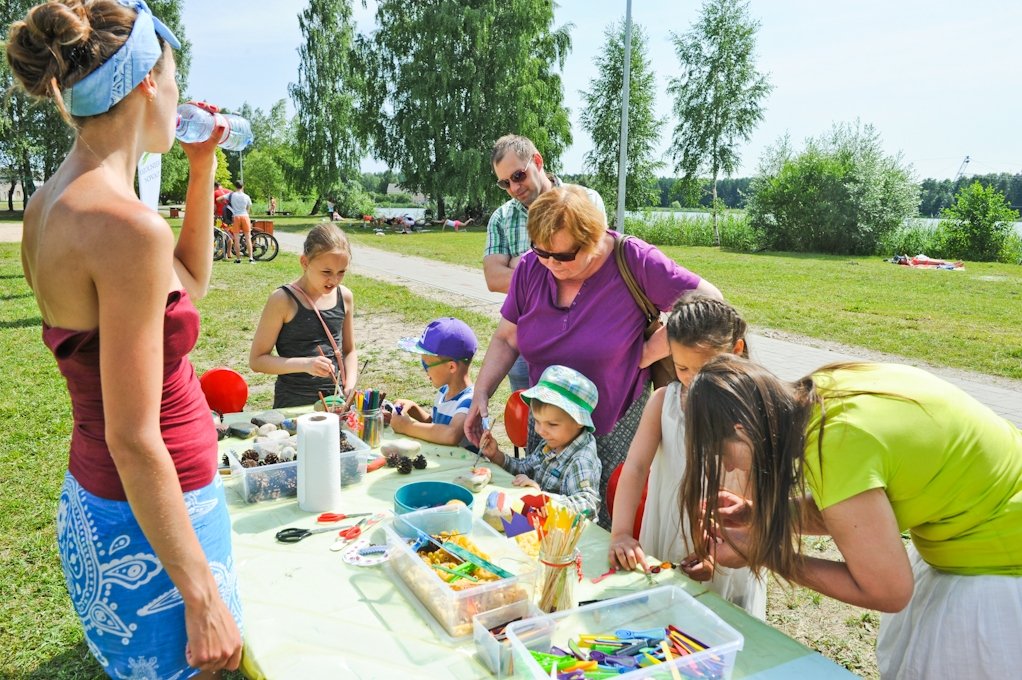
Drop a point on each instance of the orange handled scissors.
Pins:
(352, 532)
(328, 517)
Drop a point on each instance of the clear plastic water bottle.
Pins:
(238, 134)
(195, 124)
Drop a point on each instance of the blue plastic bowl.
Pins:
(429, 494)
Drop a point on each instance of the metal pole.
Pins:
(622, 165)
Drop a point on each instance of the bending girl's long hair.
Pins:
(731, 391)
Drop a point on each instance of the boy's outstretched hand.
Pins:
(523, 480)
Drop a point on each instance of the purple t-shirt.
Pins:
(601, 333)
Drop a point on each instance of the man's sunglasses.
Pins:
(560, 257)
(518, 176)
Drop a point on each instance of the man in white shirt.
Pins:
(240, 205)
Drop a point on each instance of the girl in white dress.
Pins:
(698, 329)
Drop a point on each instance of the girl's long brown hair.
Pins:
(730, 391)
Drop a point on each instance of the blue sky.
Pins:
(938, 79)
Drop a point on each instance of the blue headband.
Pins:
(116, 77)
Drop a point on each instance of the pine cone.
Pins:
(251, 454)
(404, 466)
(420, 462)
(393, 459)
(225, 461)
(248, 463)
(271, 459)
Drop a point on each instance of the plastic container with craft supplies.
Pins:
(429, 494)
(280, 480)
(648, 610)
(453, 600)
(492, 646)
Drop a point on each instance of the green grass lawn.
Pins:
(970, 320)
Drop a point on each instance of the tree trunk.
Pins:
(315, 207)
(27, 181)
(10, 195)
(441, 208)
(716, 229)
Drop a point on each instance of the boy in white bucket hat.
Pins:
(565, 463)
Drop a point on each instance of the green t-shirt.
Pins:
(951, 467)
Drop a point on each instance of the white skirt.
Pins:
(953, 627)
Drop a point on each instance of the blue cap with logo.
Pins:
(444, 337)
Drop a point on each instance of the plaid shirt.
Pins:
(506, 233)
(574, 473)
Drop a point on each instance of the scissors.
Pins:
(295, 534)
(338, 516)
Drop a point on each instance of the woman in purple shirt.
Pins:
(568, 305)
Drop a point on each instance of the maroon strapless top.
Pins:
(185, 422)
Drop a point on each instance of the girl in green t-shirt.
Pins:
(863, 452)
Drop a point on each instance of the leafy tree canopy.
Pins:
(601, 118)
(446, 78)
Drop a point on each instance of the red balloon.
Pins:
(612, 491)
(516, 419)
(225, 389)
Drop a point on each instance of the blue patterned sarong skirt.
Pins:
(133, 615)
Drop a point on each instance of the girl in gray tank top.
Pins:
(306, 359)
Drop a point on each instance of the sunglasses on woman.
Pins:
(518, 176)
(560, 257)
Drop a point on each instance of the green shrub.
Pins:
(843, 194)
(1012, 250)
(977, 226)
(736, 232)
(352, 200)
(914, 237)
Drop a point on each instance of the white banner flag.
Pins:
(149, 167)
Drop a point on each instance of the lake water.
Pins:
(684, 215)
(418, 213)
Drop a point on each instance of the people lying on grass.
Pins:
(698, 329)
(456, 224)
(565, 461)
(310, 324)
(862, 452)
(445, 348)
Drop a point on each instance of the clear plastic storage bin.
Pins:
(454, 609)
(496, 654)
(280, 480)
(653, 608)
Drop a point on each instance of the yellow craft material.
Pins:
(669, 657)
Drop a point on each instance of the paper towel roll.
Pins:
(319, 462)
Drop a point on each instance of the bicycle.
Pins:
(264, 246)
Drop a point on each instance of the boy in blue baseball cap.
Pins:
(446, 348)
(565, 463)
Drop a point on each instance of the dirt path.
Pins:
(10, 232)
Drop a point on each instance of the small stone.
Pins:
(275, 418)
(242, 430)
